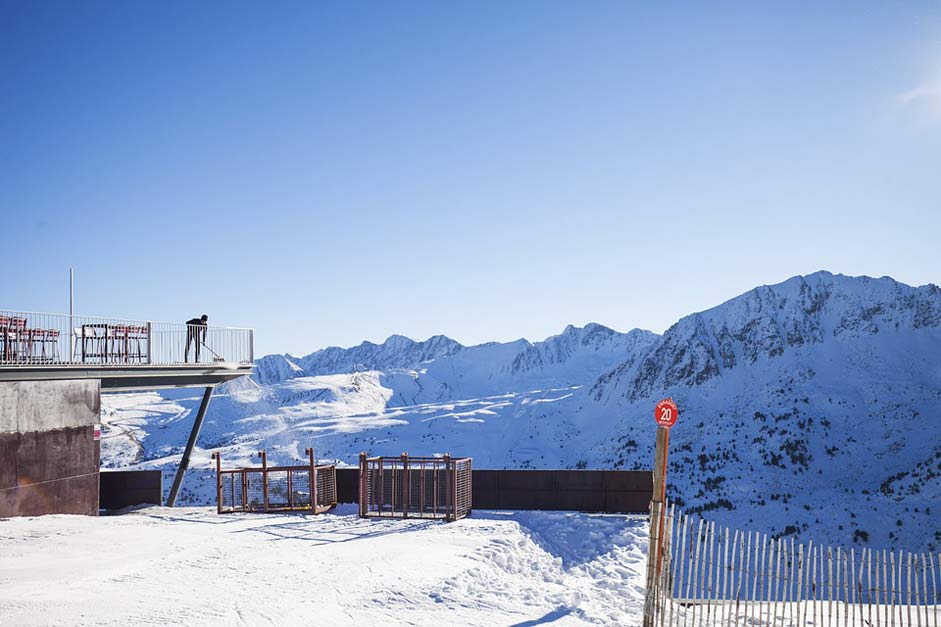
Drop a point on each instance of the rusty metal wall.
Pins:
(124, 488)
(611, 491)
(48, 453)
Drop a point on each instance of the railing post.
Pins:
(313, 480)
(149, 343)
(405, 485)
(216, 456)
(470, 485)
(251, 346)
(450, 484)
(362, 485)
(244, 490)
(264, 476)
(290, 474)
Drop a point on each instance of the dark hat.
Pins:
(205, 317)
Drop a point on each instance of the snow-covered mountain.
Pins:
(810, 407)
(396, 352)
(576, 355)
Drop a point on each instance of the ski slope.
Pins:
(190, 566)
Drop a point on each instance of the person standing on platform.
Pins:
(195, 332)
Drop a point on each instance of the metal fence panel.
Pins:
(415, 487)
(275, 489)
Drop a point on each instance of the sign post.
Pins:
(665, 414)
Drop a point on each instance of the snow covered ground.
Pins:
(190, 566)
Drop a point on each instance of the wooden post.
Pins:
(801, 607)
(654, 552)
(934, 590)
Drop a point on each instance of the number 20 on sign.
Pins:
(666, 412)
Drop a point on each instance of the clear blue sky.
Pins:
(328, 174)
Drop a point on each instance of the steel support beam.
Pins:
(185, 462)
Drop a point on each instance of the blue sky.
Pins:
(328, 174)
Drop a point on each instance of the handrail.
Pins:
(107, 318)
(32, 338)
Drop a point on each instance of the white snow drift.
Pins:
(190, 566)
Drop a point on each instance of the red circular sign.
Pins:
(666, 412)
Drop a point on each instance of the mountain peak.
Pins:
(770, 321)
(398, 340)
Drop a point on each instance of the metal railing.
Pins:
(415, 487)
(33, 338)
(276, 488)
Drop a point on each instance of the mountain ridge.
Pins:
(809, 407)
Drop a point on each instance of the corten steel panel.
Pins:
(9, 443)
(142, 479)
(631, 481)
(8, 501)
(525, 479)
(74, 495)
(124, 488)
(347, 485)
(48, 455)
(627, 502)
(56, 473)
(579, 480)
(485, 481)
(611, 491)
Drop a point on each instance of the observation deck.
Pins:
(123, 354)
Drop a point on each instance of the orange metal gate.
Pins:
(415, 487)
(310, 488)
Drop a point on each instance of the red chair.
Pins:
(49, 345)
(137, 335)
(15, 338)
(119, 334)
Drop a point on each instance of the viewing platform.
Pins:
(54, 369)
(122, 354)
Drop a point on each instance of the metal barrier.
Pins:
(415, 487)
(31, 338)
(276, 488)
(710, 576)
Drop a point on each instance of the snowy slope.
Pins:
(810, 407)
(189, 566)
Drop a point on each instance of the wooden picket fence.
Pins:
(707, 575)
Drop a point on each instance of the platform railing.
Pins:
(34, 338)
